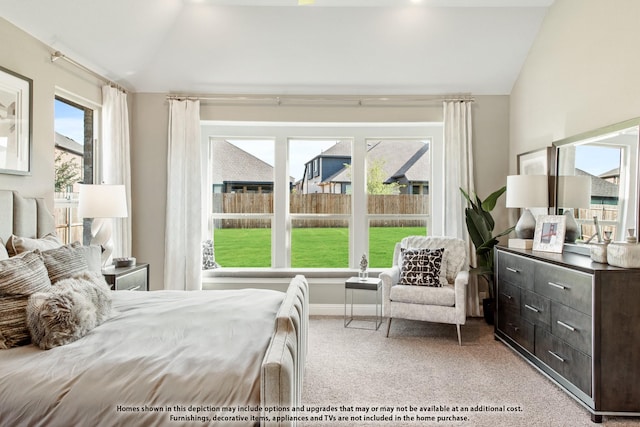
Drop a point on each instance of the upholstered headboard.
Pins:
(24, 216)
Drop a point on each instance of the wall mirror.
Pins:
(597, 184)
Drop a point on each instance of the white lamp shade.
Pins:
(574, 191)
(527, 191)
(102, 201)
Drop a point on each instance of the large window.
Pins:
(320, 201)
(73, 164)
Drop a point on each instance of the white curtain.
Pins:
(458, 167)
(116, 161)
(183, 233)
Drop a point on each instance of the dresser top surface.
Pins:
(565, 259)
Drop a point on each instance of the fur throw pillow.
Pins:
(72, 308)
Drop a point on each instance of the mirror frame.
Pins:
(553, 205)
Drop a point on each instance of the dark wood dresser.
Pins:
(575, 320)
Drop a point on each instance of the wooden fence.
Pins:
(318, 203)
(603, 213)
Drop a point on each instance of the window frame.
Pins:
(282, 132)
(91, 168)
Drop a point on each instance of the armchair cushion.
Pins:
(442, 296)
(423, 267)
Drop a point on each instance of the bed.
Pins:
(227, 357)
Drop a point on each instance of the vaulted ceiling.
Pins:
(356, 47)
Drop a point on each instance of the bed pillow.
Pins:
(70, 310)
(20, 277)
(422, 267)
(17, 245)
(3, 251)
(65, 261)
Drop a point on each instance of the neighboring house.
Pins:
(603, 191)
(239, 171)
(612, 176)
(404, 162)
(69, 150)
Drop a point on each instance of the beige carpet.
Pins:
(421, 366)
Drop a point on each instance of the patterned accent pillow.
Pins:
(20, 276)
(421, 267)
(65, 261)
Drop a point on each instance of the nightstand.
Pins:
(134, 278)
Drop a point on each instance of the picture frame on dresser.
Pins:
(15, 123)
(549, 233)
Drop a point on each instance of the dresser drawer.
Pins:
(571, 326)
(572, 364)
(515, 269)
(570, 287)
(508, 298)
(536, 309)
(517, 329)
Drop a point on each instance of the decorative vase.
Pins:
(622, 254)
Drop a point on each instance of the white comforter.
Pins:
(188, 354)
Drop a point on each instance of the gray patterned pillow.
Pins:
(65, 261)
(421, 267)
(20, 276)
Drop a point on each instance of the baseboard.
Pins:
(338, 309)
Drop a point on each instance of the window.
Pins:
(241, 182)
(73, 164)
(325, 199)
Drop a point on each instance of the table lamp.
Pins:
(102, 203)
(526, 191)
(574, 192)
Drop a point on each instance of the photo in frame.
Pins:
(549, 234)
(15, 123)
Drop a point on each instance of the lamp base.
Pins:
(101, 229)
(521, 243)
(526, 225)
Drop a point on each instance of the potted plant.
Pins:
(480, 225)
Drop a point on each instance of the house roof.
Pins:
(600, 187)
(610, 174)
(68, 144)
(238, 165)
(405, 158)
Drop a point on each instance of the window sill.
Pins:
(338, 273)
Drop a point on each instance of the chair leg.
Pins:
(388, 326)
(459, 339)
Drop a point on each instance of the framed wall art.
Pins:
(539, 162)
(549, 234)
(15, 123)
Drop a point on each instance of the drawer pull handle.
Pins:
(556, 356)
(569, 327)
(507, 296)
(535, 310)
(515, 328)
(556, 285)
(134, 289)
(513, 270)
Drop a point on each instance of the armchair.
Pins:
(445, 304)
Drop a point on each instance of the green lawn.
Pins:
(310, 247)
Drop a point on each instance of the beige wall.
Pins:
(149, 147)
(25, 55)
(582, 73)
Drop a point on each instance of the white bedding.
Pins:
(167, 349)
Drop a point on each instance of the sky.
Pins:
(69, 121)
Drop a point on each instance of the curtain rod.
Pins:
(337, 100)
(59, 55)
